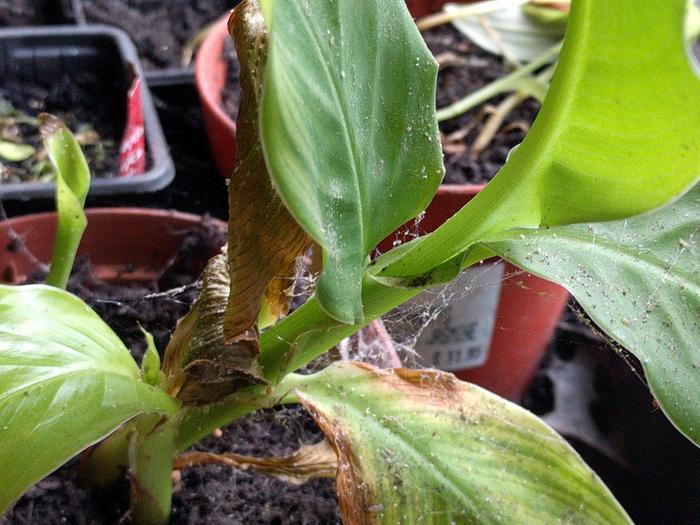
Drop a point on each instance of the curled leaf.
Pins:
(150, 367)
(200, 366)
(264, 239)
(72, 185)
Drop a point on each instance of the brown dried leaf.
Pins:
(310, 461)
(200, 366)
(264, 239)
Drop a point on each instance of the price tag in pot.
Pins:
(458, 336)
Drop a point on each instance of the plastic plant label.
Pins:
(459, 337)
(132, 154)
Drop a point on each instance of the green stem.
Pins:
(309, 331)
(68, 234)
(151, 453)
(198, 422)
(510, 82)
(108, 460)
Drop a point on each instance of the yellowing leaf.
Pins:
(419, 446)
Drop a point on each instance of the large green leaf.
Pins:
(639, 279)
(618, 133)
(66, 381)
(622, 48)
(419, 446)
(349, 130)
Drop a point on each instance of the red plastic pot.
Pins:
(124, 244)
(210, 78)
(528, 308)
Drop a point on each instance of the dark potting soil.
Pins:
(231, 97)
(24, 12)
(464, 69)
(164, 30)
(81, 101)
(210, 494)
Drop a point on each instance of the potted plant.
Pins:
(476, 337)
(126, 244)
(312, 164)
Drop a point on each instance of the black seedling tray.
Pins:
(44, 54)
(164, 77)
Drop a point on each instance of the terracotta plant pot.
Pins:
(502, 352)
(124, 244)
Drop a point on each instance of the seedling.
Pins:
(338, 143)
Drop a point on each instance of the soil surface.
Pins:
(465, 68)
(211, 494)
(25, 12)
(162, 29)
(198, 187)
(79, 101)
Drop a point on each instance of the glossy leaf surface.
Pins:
(349, 130)
(66, 381)
(639, 280)
(419, 446)
(617, 135)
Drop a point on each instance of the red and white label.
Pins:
(132, 154)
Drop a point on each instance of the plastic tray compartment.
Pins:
(42, 54)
